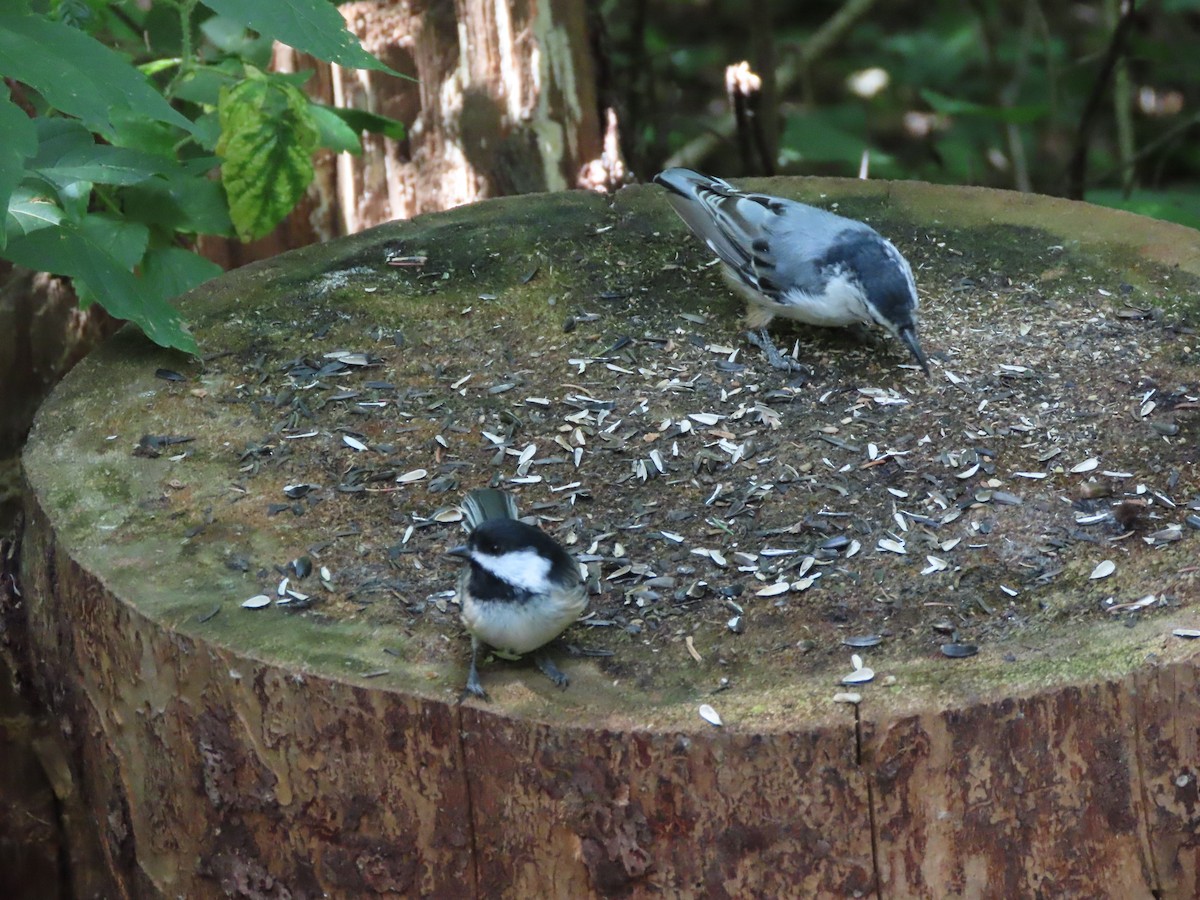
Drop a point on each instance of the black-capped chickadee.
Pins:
(797, 261)
(520, 589)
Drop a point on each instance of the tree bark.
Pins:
(213, 749)
(503, 101)
(505, 104)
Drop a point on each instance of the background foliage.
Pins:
(962, 91)
(119, 115)
(133, 126)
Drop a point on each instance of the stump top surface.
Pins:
(706, 481)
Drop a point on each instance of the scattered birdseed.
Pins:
(959, 651)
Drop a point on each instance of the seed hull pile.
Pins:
(737, 523)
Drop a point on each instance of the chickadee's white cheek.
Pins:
(525, 569)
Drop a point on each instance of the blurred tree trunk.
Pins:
(505, 103)
(43, 333)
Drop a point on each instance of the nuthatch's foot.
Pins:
(775, 358)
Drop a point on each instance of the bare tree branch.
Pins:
(822, 41)
(1077, 167)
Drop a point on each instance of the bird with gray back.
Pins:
(797, 261)
(520, 589)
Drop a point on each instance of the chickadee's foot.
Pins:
(550, 670)
(474, 688)
(775, 359)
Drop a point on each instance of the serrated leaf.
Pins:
(125, 240)
(360, 120)
(104, 164)
(145, 134)
(171, 271)
(20, 142)
(30, 210)
(179, 202)
(76, 74)
(334, 132)
(58, 137)
(231, 37)
(267, 140)
(317, 29)
(66, 249)
(203, 83)
(208, 131)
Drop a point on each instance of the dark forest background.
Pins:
(1088, 100)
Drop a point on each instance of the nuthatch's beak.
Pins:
(908, 334)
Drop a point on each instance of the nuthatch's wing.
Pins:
(772, 245)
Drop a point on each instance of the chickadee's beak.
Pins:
(462, 551)
(909, 336)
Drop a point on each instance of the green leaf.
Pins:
(267, 140)
(76, 73)
(20, 142)
(30, 210)
(231, 37)
(99, 276)
(1015, 115)
(203, 84)
(208, 131)
(104, 164)
(145, 134)
(59, 137)
(1181, 206)
(360, 120)
(125, 240)
(171, 271)
(334, 132)
(312, 26)
(179, 202)
(831, 135)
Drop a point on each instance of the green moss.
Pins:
(631, 261)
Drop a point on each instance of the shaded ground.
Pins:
(726, 512)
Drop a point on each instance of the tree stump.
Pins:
(746, 532)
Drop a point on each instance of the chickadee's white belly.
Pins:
(521, 627)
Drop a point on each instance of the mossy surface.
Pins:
(1051, 324)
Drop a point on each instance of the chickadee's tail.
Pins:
(483, 504)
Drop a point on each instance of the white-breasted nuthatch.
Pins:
(797, 261)
(520, 589)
